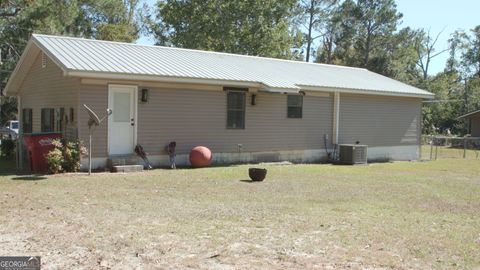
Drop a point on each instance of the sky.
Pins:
(432, 15)
(446, 15)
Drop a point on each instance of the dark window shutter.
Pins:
(27, 120)
(42, 126)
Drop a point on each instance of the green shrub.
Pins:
(55, 161)
(72, 153)
(65, 157)
(7, 148)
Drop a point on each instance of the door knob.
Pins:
(132, 122)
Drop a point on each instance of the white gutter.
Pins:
(367, 92)
(280, 91)
(171, 79)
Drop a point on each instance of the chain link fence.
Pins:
(438, 147)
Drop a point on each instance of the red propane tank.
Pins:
(200, 156)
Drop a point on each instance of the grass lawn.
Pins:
(403, 215)
(7, 166)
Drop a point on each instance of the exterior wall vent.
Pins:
(353, 154)
(44, 60)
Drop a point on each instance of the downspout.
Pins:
(336, 119)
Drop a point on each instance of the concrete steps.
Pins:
(124, 163)
(127, 168)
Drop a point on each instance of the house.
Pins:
(244, 108)
(473, 122)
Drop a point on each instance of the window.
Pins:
(27, 120)
(295, 106)
(48, 120)
(236, 110)
(14, 125)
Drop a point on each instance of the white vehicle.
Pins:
(11, 129)
(13, 125)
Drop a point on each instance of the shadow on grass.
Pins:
(29, 178)
(247, 181)
(188, 167)
(8, 167)
(250, 181)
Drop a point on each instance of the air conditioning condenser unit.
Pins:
(353, 154)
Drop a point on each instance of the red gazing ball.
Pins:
(200, 156)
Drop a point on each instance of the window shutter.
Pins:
(43, 121)
(52, 120)
(27, 120)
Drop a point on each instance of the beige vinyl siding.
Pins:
(198, 117)
(96, 98)
(475, 125)
(379, 121)
(47, 88)
(193, 118)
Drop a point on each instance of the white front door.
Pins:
(122, 99)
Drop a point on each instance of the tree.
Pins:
(103, 19)
(114, 20)
(339, 36)
(377, 21)
(313, 14)
(18, 19)
(465, 61)
(362, 33)
(440, 114)
(254, 27)
(470, 62)
(457, 88)
(331, 34)
(471, 55)
(11, 8)
(8, 109)
(425, 48)
(400, 57)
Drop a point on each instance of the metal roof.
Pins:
(84, 57)
(469, 114)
